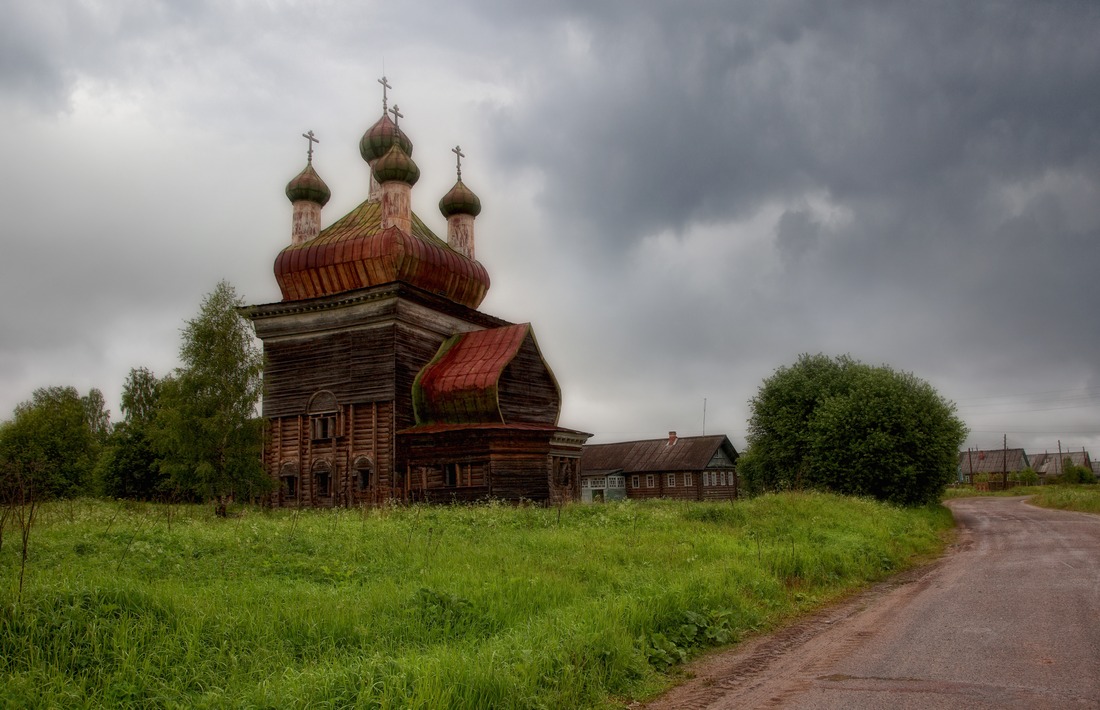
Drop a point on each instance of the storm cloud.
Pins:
(680, 197)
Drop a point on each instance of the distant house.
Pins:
(1047, 464)
(994, 462)
(692, 467)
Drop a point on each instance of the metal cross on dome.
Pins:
(309, 137)
(385, 85)
(459, 155)
(396, 114)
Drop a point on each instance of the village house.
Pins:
(997, 465)
(1048, 465)
(690, 467)
(382, 380)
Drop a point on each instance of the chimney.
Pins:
(671, 438)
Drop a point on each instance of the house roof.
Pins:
(355, 252)
(460, 384)
(687, 453)
(992, 461)
(1049, 463)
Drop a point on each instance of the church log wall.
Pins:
(527, 391)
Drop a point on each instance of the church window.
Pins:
(322, 416)
(290, 486)
(362, 473)
(322, 479)
(323, 427)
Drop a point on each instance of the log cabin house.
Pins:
(690, 467)
(382, 380)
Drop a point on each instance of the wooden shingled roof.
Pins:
(355, 252)
(468, 380)
(1050, 464)
(992, 461)
(687, 453)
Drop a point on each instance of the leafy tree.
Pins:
(128, 466)
(49, 447)
(1027, 477)
(1072, 473)
(841, 425)
(206, 432)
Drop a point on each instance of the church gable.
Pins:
(492, 376)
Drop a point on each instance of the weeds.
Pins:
(480, 606)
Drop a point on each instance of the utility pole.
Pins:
(1004, 475)
(704, 416)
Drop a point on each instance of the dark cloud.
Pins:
(687, 195)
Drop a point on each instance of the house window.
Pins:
(687, 480)
(450, 474)
(616, 482)
(635, 481)
(670, 480)
(649, 480)
(713, 478)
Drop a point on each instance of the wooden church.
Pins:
(382, 379)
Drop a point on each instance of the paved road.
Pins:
(1010, 618)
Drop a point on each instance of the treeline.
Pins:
(192, 434)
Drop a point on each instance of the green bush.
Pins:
(840, 425)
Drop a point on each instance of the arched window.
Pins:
(322, 479)
(322, 411)
(363, 472)
(288, 479)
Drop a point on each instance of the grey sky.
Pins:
(680, 197)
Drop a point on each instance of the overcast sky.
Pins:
(679, 196)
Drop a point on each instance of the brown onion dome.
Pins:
(308, 185)
(396, 165)
(382, 136)
(460, 200)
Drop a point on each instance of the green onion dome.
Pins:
(382, 136)
(396, 165)
(460, 200)
(308, 185)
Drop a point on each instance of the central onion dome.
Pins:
(396, 164)
(382, 136)
(357, 252)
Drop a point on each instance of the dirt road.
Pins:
(1010, 618)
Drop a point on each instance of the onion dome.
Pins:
(396, 165)
(460, 200)
(382, 136)
(308, 185)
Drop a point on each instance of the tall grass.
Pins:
(426, 607)
(1083, 498)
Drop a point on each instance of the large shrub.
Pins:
(838, 424)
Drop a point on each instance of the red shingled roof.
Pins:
(355, 252)
(460, 385)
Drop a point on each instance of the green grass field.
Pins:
(134, 605)
(1083, 498)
